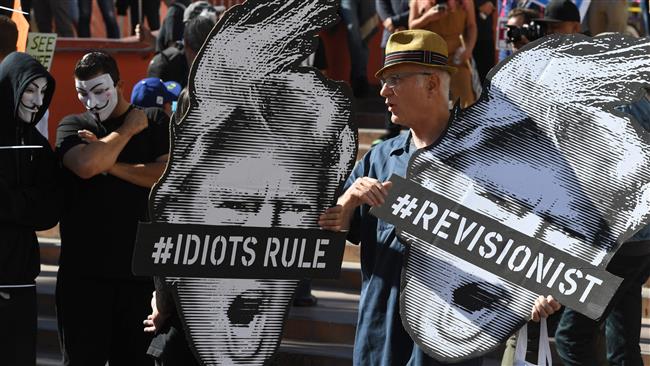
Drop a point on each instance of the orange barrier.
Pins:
(133, 58)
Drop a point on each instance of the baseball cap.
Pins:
(560, 11)
(153, 92)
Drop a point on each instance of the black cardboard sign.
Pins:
(236, 252)
(488, 244)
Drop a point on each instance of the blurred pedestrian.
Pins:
(607, 16)
(355, 14)
(112, 155)
(484, 51)
(455, 21)
(394, 15)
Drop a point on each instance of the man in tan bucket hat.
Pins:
(416, 88)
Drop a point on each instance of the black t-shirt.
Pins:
(101, 214)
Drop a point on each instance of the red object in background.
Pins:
(22, 25)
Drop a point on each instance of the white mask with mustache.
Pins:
(32, 99)
(98, 95)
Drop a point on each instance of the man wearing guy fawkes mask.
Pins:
(112, 155)
(28, 172)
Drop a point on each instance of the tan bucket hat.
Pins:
(417, 46)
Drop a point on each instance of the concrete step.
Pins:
(298, 353)
(349, 280)
(332, 320)
(352, 253)
(47, 338)
(366, 137)
(49, 359)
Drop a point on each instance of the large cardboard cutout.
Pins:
(264, 148)
(531, 192)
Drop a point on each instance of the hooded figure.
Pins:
(29, 200)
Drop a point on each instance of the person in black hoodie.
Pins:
(112, 155)
(28, 192)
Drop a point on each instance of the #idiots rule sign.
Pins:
(236, 252)
(497, 248)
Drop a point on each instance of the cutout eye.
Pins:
(296, 207)
(240, 206)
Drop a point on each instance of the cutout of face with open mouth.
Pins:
(544, 153)
(265, 144)
(242, 318)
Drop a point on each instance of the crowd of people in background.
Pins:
(135, 130)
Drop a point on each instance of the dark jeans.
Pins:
(356, 46)
(64, 12)
(108, 13)
(101, 320)
(151, 11)
(576, 333)
(18, 326)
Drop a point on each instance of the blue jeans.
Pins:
(576, 333)
(64, 12)
(108, 13)
(357, 47)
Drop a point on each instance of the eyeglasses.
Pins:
(394, 80)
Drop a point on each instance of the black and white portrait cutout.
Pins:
(265, 146)
(531, 192)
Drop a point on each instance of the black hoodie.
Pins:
(29, 198)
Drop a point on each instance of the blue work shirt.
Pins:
(381, 338)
